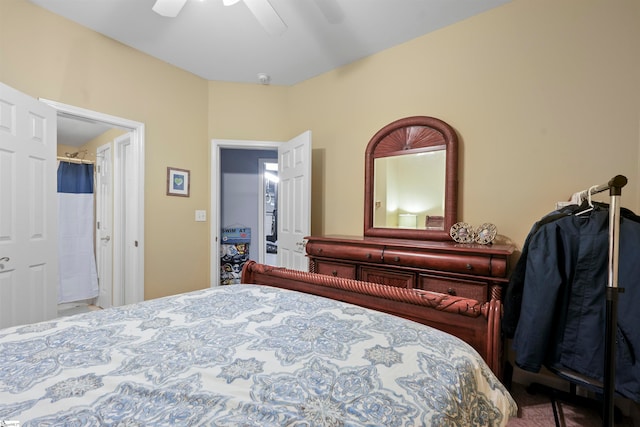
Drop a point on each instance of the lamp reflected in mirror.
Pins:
(407, 221)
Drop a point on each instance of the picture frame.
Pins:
(178, 182)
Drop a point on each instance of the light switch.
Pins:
(201, 215)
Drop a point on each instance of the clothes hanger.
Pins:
(589, 202)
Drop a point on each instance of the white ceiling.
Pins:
(75, 132)
(227, 43)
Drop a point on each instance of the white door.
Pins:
(127, 250)
(28, 210)
(294, 201)
(104, 224)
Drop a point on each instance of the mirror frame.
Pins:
(413, 134)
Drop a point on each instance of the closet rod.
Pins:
(72, 160)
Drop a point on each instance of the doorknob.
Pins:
(106, 239)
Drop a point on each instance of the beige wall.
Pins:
(64, 149)
(47, 56)
(545, 96)
(249, 112)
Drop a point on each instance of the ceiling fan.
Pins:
(261, 9)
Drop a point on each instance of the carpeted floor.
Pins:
(536, 410)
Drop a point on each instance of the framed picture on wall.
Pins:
(178, 182)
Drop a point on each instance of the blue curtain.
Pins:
(78, 277)
(75, 178)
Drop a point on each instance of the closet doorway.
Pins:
(293, 201)
(119, 197)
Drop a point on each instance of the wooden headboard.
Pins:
(476, 323)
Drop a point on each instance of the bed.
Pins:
(267, 352)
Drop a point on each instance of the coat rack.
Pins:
(612, 291)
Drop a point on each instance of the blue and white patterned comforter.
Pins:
(244, 355)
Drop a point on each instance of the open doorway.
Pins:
(218, 222)
(244, 209)
(294, 200)
(122, 278)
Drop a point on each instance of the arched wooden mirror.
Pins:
(411, 177)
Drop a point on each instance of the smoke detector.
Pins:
(264, 79)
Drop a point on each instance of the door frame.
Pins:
(216, 146)
(137, 131)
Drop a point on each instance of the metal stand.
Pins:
(615, 190)
(608, 387)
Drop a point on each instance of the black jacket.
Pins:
(555, 303)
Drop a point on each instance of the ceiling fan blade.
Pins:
(267, 16)
(168, 8)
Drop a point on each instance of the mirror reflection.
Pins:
(409, 190)
(417, 197)
(411, 180)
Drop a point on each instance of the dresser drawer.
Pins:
(388, 277)
(360, 253)
(456, 287)
(469, 264)
(348, 271)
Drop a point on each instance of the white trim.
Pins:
(261, 231)
(262, 227)
(137, 131)
(83, 113)
(216, 145)
(126, 246)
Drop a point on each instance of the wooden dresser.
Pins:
(411, 177)
(466, 270)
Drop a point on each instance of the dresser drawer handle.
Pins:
(368, 256)
(334, 273)
(451, 292)
(468, 267)
(396, 259)
(319, 250)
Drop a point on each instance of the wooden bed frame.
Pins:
(476, 323)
